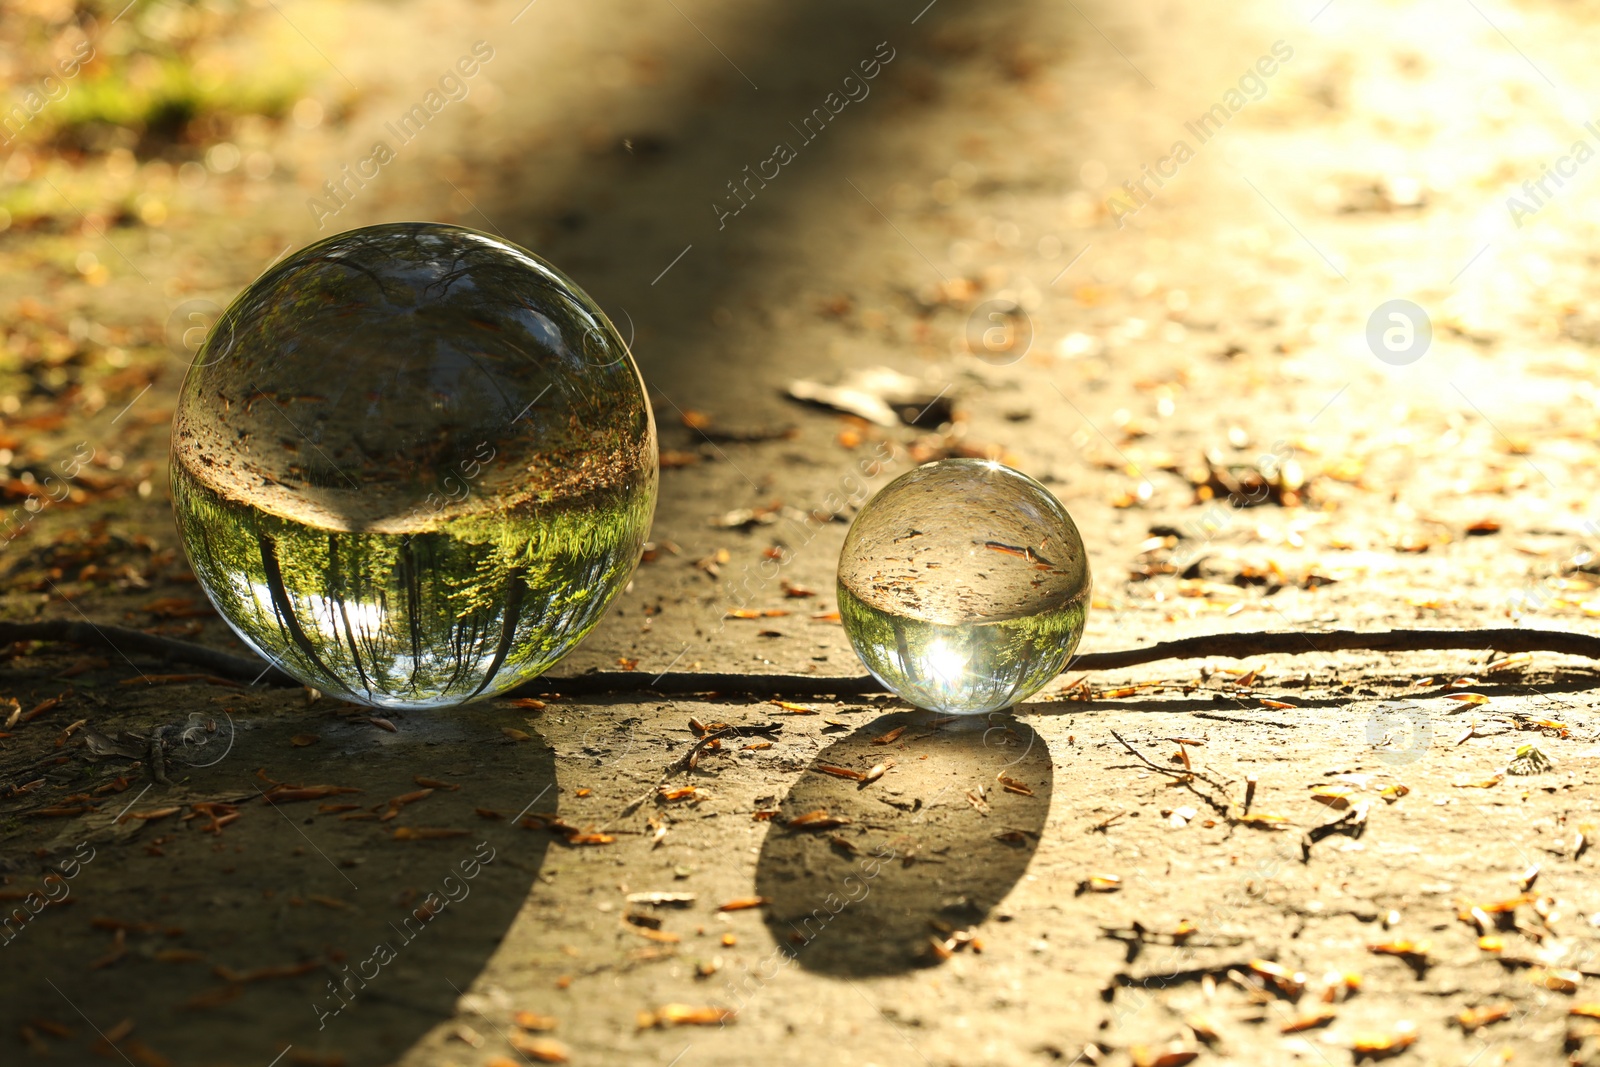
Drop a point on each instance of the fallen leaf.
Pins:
(1380, 1045)
(396, 803)
(1470, 1019)
(1559, 980)
(148, 816)
(1335, 797)
(743, 903)
(282, 794)
(143, 1054)
(1482, 783)
(427, 833)
(684, 1015)
(665, 937)
(1402, 948)
(212, 998)
(1202, 1028)
(816, 820)
(539, 1049)
(1309, 1021)
(1172, 1054)
(1337, 985)
(261, 974)
(1290, 983)
(1011, 785)
(39, 709)
(880, 395)
(1529, 876)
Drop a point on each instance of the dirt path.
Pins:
(1190, 343)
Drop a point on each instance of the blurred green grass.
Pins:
(165, 73)
(164, 82)
(163, 100)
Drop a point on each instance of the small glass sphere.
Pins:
(413, 464)
(963, 586)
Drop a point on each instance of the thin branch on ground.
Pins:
(1187, 776)
(686, 762)
(122, 639)
(1183, 775)
(1246, 645)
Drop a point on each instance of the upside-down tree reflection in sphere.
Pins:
(964, 586)
(413, 464)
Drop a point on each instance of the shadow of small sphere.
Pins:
(918, 856)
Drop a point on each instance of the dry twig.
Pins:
(1187, 776)
(1246, 645)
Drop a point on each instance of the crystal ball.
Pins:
(413, 464)
(963, 586)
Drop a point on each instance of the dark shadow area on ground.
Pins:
(384, 923)
(621, 211)
(922, 855)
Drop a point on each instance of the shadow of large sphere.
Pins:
(309, 923)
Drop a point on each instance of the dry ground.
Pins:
(1222, 322)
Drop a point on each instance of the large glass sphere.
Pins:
(413, 464)
(963, 586)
